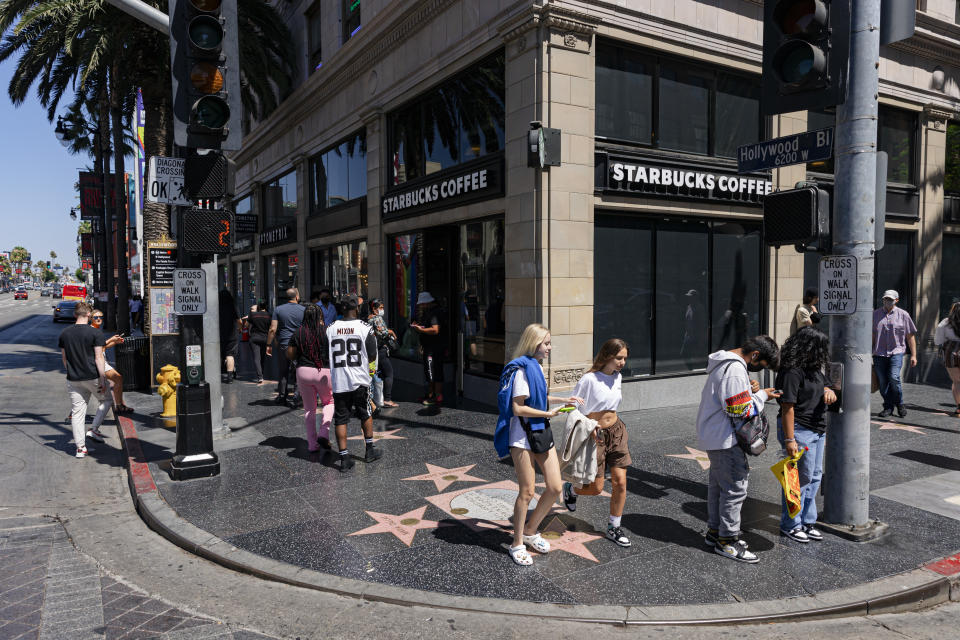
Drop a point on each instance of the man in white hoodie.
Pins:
(729, 395)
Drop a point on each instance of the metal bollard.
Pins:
(194, 457)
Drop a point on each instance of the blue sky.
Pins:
(36, 178)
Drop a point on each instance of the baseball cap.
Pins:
(424, 297)
(892, 294)
(351, 302)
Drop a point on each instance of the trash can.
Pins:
(133, 363)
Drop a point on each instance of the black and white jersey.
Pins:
(353, 346)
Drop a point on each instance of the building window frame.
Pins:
(686, 66)
(350, 21)
(314, 19)
(316, 206)
(279, 220)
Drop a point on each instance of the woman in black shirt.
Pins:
(258, 324)
(801, 422)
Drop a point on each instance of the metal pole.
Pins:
(143, 12)
(211, 345)
(847, 465)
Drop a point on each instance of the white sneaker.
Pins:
(81, 452)
(95, 435)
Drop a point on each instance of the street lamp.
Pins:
(61, 132)
(73, 213)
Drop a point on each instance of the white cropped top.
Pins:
(600, 392)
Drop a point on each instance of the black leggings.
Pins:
(259, 350)
(386, 373)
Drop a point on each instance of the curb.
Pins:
(931, 585)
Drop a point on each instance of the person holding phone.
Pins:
(523, 432)
(81, 349)
(113, 376)
(801, 423)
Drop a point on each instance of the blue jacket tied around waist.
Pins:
(537, 400)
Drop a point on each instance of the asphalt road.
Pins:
(14, 311)
(77, 561)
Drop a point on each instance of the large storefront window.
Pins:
(342, 269)
(668, 103)
(280, 200)
(949, 273)
(281, 271)
(896, 134)
(458, 121)
(675, 290)
(481, 307)
(339, 174)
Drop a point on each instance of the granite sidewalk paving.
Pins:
(431, 514)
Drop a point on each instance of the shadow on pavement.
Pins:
(931, 459)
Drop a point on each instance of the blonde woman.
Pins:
(523, 431)
(947, 338)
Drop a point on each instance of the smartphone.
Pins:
(565, 409)
(779, 392)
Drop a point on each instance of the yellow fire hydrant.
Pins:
(168, 378)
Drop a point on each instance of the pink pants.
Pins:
(315, 383)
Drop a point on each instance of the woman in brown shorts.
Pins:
(600, 389)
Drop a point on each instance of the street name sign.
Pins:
(189, 292)
(838, 285)
(801, 148)
(166, 181)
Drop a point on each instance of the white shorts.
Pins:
(107, 367)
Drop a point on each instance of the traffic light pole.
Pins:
(847, 463)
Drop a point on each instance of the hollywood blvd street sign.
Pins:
(801, 148)
(838, 285)
(189, 292)
(166, 181)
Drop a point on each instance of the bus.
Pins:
(76, 292)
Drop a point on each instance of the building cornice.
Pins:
(934, 39)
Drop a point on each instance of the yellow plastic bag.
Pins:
(787, 475)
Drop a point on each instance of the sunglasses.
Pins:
(98, 317)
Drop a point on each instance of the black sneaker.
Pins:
(280, 400)
(711, 539)
(616, 534)
(569, 497)
(346, 462)
(324, 443)
(813, 533)
(901, 411)
(736, 550)
(373, 453)
(797, 534)
(886, 413)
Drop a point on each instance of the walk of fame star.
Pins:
(404, 526)
(563, 539)
(487, 506)
(443, 478)
(381, 435)
(898, 426)
(694, 454)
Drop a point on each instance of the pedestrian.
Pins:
(258, 324)
(806, 314)
(306, 349)
(801, 423)
(600, 389)
(136, 311)
(730, 395)
(947, 337)
(384, 336)
(285, 321)
(353, 361)
(523, 432)
(328, 307)
(81, 348)
(230, 326)
(113, 376)
(432, 344)
(893, 334)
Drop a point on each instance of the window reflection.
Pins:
(949, 278)
(738, 112)
(682, 297)
(625, 82)
(481, 305)
(341, 268)
(896, 134)
(684, 110)
(339, 173)
(280, 200)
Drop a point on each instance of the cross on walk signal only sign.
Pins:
(838, 285)
(166, 182)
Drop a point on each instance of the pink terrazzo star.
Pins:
(486, 506)
(694, 454)
(572, 542)
(443, 478)
(404, 526)
(381, 435)
(899, 426)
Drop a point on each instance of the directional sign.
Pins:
(166, 181)
(838, 285)
(189, 292)
(781, 152)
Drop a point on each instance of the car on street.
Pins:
(58, 292)
(46, 292)
(20, 294)
(64, 311)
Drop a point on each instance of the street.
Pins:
(77, 561)
(14, 311)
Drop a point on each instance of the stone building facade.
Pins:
(399, 164)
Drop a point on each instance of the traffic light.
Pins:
(205, 71)
(799, 217)
(806, 46)
(205, 231)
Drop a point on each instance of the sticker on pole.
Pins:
(838, 285)
(189, 292)
(166, 181)
(194, 358)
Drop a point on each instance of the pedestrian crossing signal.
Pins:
(206, 231)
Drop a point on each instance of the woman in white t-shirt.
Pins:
(600, 389)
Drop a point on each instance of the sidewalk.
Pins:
(430, 515)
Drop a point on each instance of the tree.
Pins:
(18, 258)
(80, 275)
(53, 255)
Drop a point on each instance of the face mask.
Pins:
(380, 313)
(888, 304)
